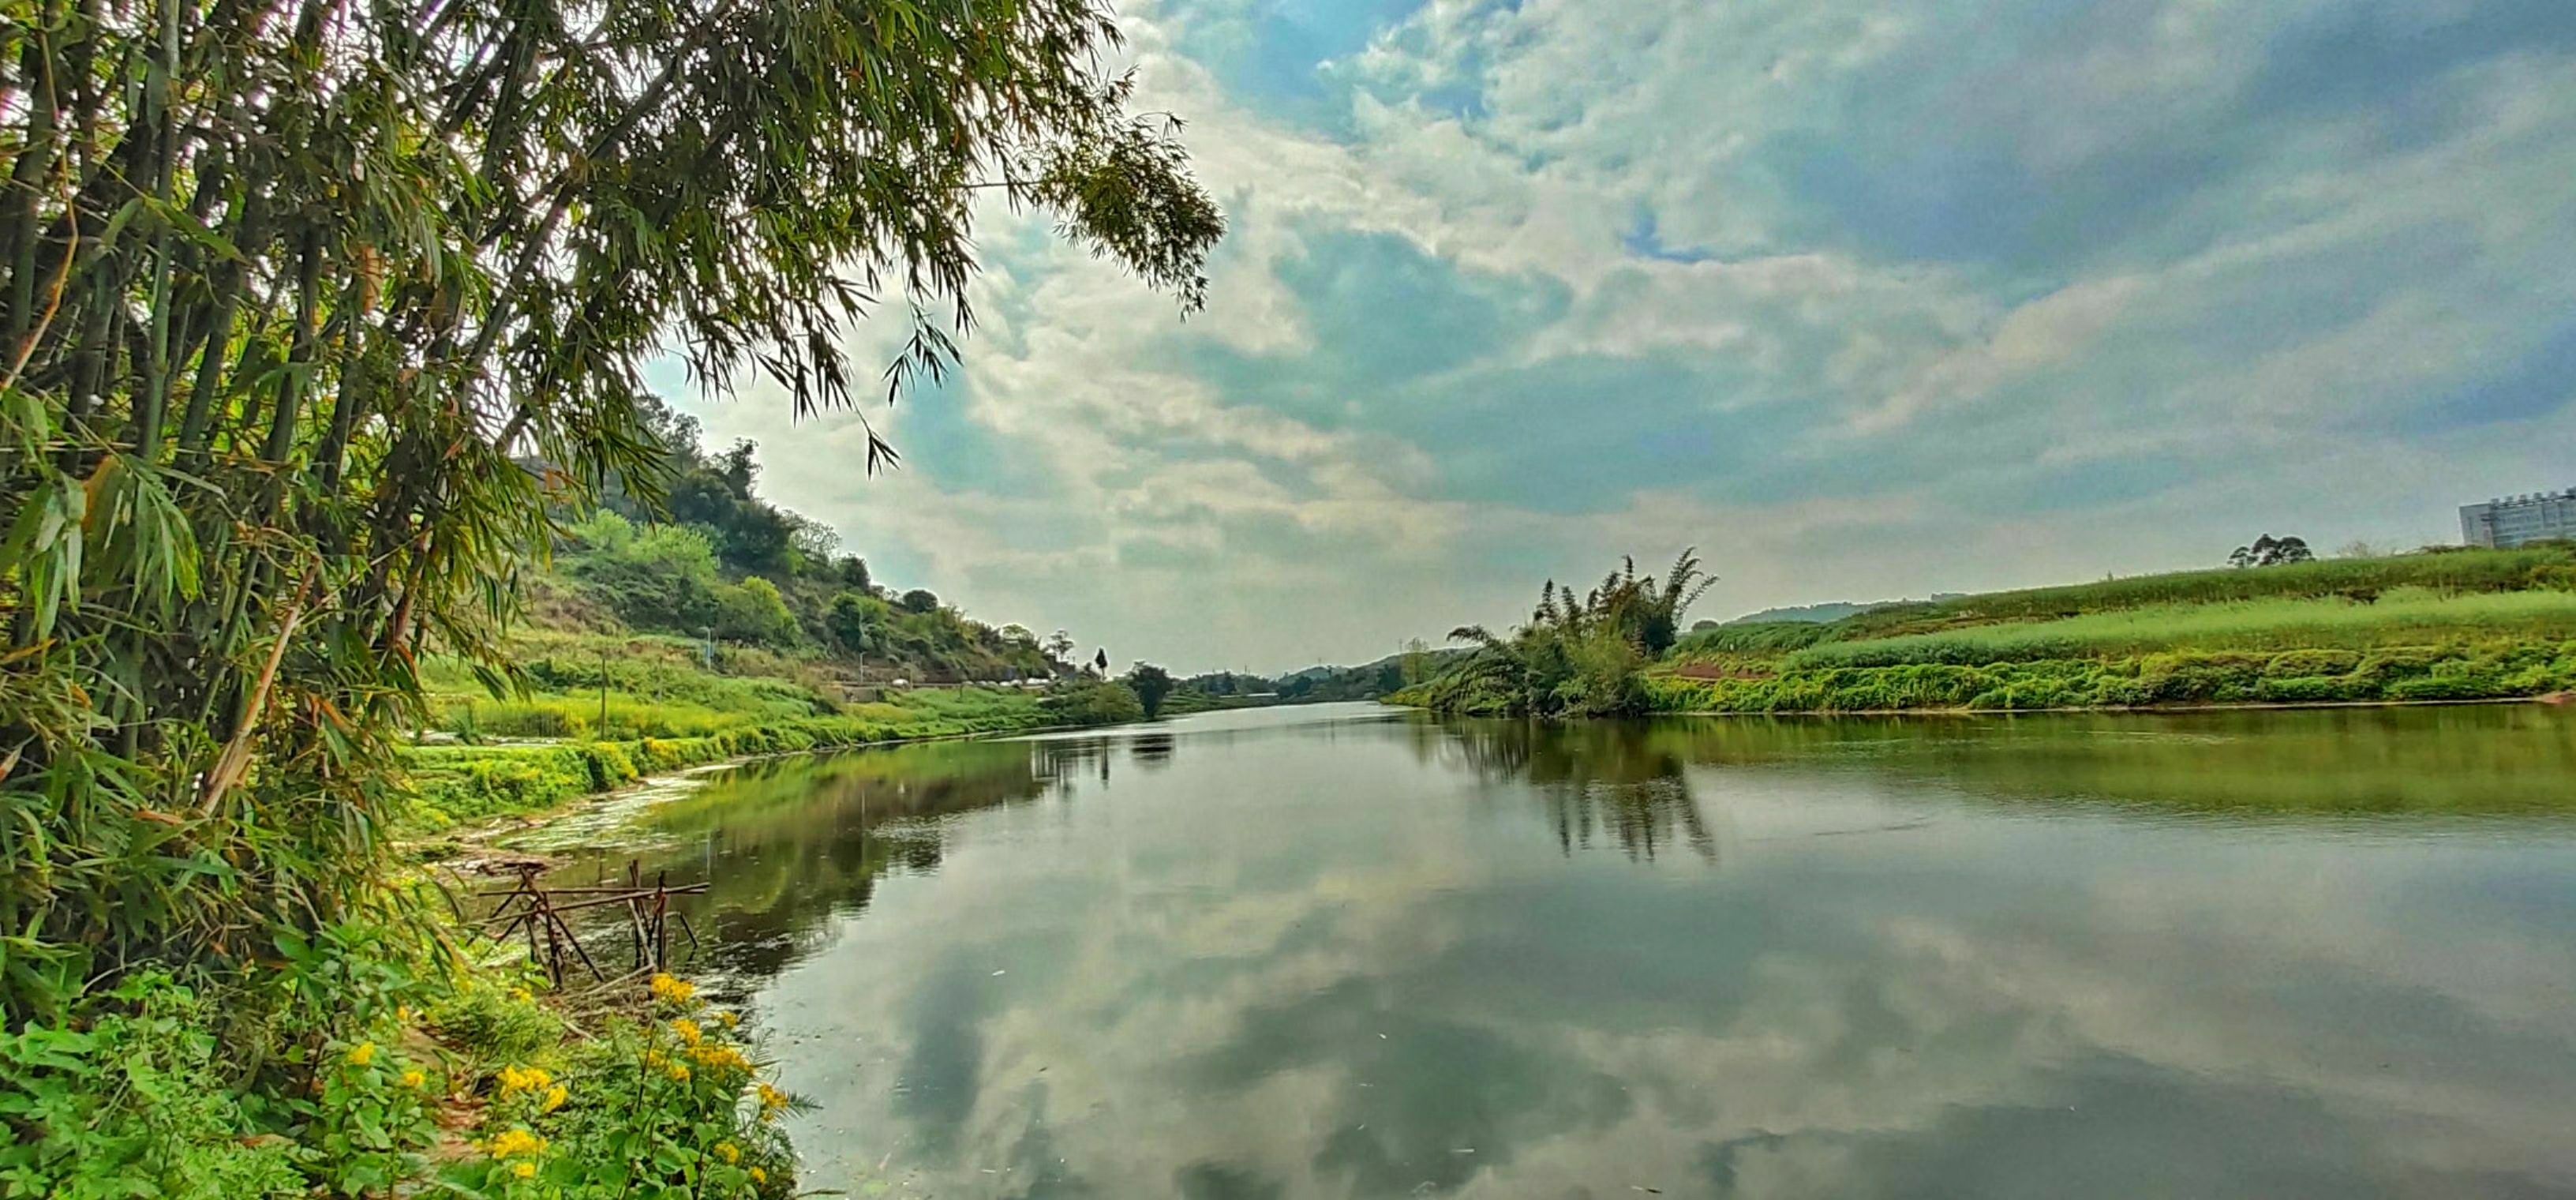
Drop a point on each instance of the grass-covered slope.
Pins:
(662, 710)
(2462, 625)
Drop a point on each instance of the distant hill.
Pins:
(717, 562)
(1818, 614)
(1319, 683)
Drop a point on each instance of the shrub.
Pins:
(2296, 663)
(2298, 689)
(674, 1106)
(1094, 703)
(2462, 685)
(133, 1105)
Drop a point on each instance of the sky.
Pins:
(1862, 300)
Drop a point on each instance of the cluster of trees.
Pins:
(718, 560)
(1579, 655)
(2269, 551)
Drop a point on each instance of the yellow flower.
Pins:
(676, 991)
(655, 1059)
(680, 1072)
(362, 1054)
(516, 1079)
(772, 1102)
(554, 1099)
(728, 1152)
(525, 1170)
(522, 995)
(730, 1018)
(720, 1057)
(686, 1030)
(515, 1143)
(414, 1078)
(759, 1176)
(402, 1013)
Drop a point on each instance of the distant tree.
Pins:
(1059, 646)
(1150, 683)
(1417, 661)
(753, 611)
(1702, 625)
(853, 620)
(1100, 661)
(2268, 551)
(920, 600)
(1659, 625)
(737, 467)
(853, 572)
(813, 543)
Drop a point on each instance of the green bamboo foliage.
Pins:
(1578, 655)
(290, 293)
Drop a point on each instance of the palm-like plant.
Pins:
(1577, 653)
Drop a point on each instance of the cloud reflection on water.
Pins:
(2063, 958)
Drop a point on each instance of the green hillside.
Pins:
(2455, 625)
(694, 552)
(686, 620)
(2433, 625)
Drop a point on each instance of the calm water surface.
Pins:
(1345, 951)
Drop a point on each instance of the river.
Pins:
(1347, 951)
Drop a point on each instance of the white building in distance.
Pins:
(2508, 521)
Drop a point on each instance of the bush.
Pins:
(2296, 663)
(1094, 703)
(2297, 689)
(133, 1105)
(672, 1106)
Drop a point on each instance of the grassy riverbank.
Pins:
(2461, 625)
(602, 712)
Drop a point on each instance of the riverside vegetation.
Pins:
(314, 325)
(2434, 625)
(724, 628)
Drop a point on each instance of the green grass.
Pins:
(663, 711)
(2304, 676)
(2462, 625)
(463, 783)
(1753, 638)
(656, 688)
(2411, 616)
(2463, 571)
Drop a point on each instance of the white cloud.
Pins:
(2273, 298)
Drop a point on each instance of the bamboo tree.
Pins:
(295, 292)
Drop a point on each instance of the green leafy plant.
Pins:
(135, 1103)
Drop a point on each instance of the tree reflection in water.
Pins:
(1604, 779)
(787, 843)
(1151, 751)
